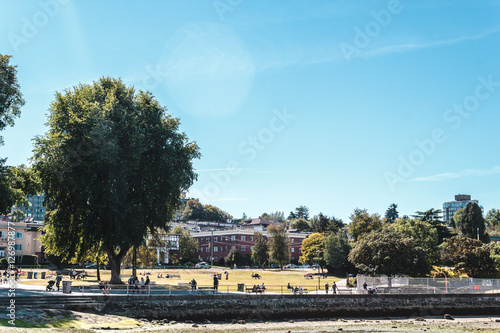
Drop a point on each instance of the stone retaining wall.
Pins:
(267, 307)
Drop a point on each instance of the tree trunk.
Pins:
(98, 270)
(115, 261)
(134, 262)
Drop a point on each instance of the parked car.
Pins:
(290, 266)
(305, 266)
(90, 266)
(202, 265)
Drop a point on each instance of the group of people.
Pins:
(8, 273)
(296, 290)
(334, 288)
(73, 274)
(134, 283)
(259, 288)
(372, 290)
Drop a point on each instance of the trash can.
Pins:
(30, 275)
(219, 276)
(35, 275)
(241, 287)
(66, 287)
(42, 275)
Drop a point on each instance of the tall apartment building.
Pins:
(451, 207)
(36, 210)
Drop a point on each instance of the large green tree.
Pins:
(337, 249)
(423, 235)
(469, 256)
(113, 164)
(472, 224)
(187, 245)
(11, 101)
(193, 211)
(389, 252)
(313, 248)
(493, 218)
(433, 216)
(279, 244)
(300, 224)
(260, 251)
(391, 214)
(363, 223)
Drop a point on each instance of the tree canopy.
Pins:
(389, 252)
(113, 164)
(469, 256)
(279, 244)
(337, 249)
(363, 223)
(472, 224)
(391, 214)
(310, 247)
(260, 249)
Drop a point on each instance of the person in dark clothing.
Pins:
(216, 283)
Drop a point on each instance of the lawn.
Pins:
(274, 279)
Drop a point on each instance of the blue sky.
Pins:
(329, 104)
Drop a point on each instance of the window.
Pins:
(2, 234)
(207, 239)
(243, 248)
(292, 249)
(243, 237)
(216, 249)
(18, 247)
(233, 237)
(251, 248)
(216, 239)
(251, 238)
(207, 249)
(292, 240)
(233, 247)
(2, 254)
(18, 235)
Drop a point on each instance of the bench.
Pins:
(202, 290)
(251, 290)
(396, 291)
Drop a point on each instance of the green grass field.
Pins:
(274, 280)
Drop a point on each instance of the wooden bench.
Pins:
(251, 290)
(202, 290)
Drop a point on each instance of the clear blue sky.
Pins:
(329, 104)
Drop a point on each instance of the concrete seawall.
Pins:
(267, 307)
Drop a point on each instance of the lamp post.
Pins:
(318, 252)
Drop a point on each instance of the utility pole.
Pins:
(212, 248)
(319, 287)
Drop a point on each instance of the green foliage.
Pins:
(337, 249)
(493, 218)
(113, 164)
(194, 210)
(279, 244)
(11, 98)
(322, 223)
(145, 257)
(391, 214)
(363, 223)
(301, 211)
(187, 245)
(469, 256)
(433, 216)
(389, 252)
(300, 224)
(495, 255)
(276, 216)
(310, 246)
(456, 220)
(473, 222)
(423, 234)
(260, 252)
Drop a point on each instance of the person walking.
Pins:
(334, 288)
(58, 281)
(327, 286)
(216, 283)
(147, 284)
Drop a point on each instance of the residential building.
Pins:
(26, 236)
(36, 210)
(451, 207)
(217, 244)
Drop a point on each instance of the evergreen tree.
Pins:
(472, 224)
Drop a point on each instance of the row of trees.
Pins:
(405, 246)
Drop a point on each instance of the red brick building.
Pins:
(219, 243)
